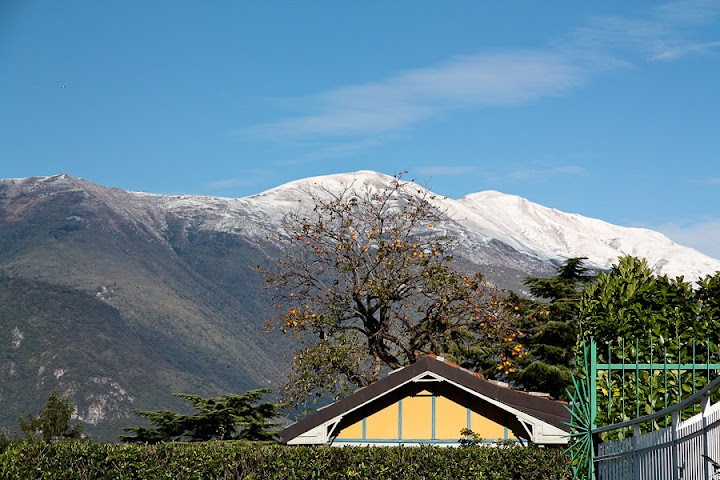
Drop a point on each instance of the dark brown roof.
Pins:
(553, 412)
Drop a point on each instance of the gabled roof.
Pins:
(529, 409)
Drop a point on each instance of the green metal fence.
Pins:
(626, 380)
(686, 449)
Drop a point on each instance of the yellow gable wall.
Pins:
(383, 424)
(450, 419)
(424, 415)
(353, 431)
(417, 416)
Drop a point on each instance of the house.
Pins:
(430, 402)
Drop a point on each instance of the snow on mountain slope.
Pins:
(491, 228)
(531, 229)
(556, 235)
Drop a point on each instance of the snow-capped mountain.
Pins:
(169, 274)
(554, 235)
(509, 226)
(483, 219)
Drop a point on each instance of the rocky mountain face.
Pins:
(182, 296)
(120, 298)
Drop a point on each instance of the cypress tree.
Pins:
(551, 323)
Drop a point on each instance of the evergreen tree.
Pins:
(221, 418)
(551, 324)
(52, 422)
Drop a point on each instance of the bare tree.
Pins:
(365, 282)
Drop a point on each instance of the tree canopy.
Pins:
(636, 316)
(220, 418)
(366, 282)
(551, 325)
(52, 422)
(630, 301)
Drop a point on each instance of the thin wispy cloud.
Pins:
(418, 95)
(708, 181)
(688, 12)
(666, 32)
(614, 32)
(392, 105)
(672, 53)
(701, 236)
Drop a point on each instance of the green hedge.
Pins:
(233, 460)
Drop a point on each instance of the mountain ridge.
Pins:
(494, 215)
(175, 272)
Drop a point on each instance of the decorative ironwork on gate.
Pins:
(639, 401)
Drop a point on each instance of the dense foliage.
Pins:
(236, 460)
(637, 317)
(366, 283)
(550, 322)
(221, 418)
(630, 301)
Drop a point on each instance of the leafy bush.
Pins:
(637, 317)
(242, 460)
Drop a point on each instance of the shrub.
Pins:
(243, 460)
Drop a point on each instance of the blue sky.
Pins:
(607, 109)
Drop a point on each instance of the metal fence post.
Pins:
(705, 405)
(636, 457)
(675, 422)
(593, 403)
